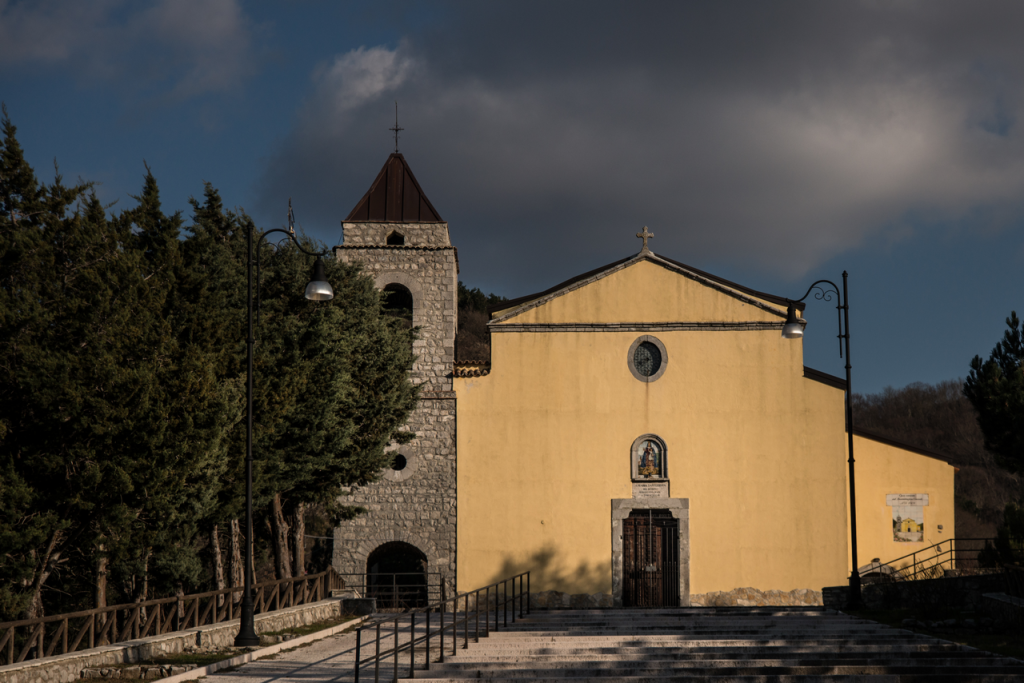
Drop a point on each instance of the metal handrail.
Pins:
(391, 590)
(147, 618)
(953, 555)
(502, 602)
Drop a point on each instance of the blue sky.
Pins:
(770, 143)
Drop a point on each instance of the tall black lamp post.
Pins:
(794, 329)
(318, 289)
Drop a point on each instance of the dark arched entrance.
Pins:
(396, 574)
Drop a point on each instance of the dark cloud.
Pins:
(158, 53)
(772, 135)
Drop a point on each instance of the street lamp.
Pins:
(318, 289)
(794, 329)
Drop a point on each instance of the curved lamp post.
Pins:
(794, 329)
(318, 289)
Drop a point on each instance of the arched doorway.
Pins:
(396, 574)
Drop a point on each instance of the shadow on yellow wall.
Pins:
(550, 572)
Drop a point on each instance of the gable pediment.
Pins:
(646, 289)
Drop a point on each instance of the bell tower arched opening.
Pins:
(398, 302)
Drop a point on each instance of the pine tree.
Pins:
(332, 394)
(33, 535)
(996, 389)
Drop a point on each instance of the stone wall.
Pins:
(431, 275)
(67, 668)
(415, 234)
(951, 593)
(416, 504)
(752, 597)
(418, 508)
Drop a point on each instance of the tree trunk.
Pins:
(142, 587)
(102, 566)
(49, 558)
(218, 563)
(299, 541)
(179, 592)
(100, 589)
(237, 570)
(279, 539)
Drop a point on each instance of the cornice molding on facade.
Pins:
(751, 326)
(356, 247)
(527, 303)
(896, 443)
(398, 247)
(825, 378)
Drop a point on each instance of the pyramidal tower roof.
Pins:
(394, 197)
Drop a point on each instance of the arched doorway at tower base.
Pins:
(396, 575)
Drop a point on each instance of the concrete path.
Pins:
(688, 644)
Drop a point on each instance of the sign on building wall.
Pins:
(907, 516)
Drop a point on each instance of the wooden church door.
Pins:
(650, 559)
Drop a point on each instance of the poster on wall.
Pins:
(907, 516)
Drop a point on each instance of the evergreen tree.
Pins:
(332, 393)
(122, 347)
(33, 534)
(996, 389)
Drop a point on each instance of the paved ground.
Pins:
(692, 644)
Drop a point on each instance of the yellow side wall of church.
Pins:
(544, 445)
(882, 469)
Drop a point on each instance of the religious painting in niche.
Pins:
(648, 458)
(907, 516)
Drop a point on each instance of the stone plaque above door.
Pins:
(650, 489)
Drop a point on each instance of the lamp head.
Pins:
(319, 289)
(794, 327)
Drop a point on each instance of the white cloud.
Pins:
(360, 76)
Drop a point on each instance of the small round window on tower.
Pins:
(647, 359)
(399, 463)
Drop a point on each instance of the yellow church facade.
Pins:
(755, 446)
(642, 431)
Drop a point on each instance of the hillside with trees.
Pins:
(977, 422)
(940, 418)
(473, 340)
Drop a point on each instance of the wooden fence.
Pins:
(49, 636)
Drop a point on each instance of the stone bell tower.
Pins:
(397, 236)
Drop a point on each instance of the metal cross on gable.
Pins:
(396, 128)
(645, 235)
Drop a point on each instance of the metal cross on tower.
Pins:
(396, 128)
(645, 235)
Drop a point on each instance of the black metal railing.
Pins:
(962, 554)
(503, 596)
(401, 591)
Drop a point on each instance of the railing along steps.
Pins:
(720, 645)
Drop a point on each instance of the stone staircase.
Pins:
(741, 644)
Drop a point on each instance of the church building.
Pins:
(641, 431)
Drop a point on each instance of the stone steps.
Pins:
(714, 644)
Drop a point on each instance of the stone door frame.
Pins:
(680, 509)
